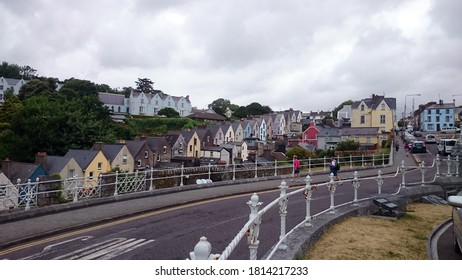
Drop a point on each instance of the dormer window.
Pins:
(362, 107)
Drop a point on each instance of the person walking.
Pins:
(407, 148)
(296, 166)
(334, 168)
(397, 146)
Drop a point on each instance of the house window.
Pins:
(138, 162)
(447, 119)
(383, 106)
(190, 148)
(90, 175)
(2, 190)
(146, 154)
(165, 149)
(363, 119)
(158, 157)
(437, 118)
(362, 107)
(71, 173)
(382, 118)
(429, 119)
(447, 111)
(142, 101)
(368, 140)
(100, 165)
(124, 159)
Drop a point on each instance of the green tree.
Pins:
(144, 85)
(168, 112)
(75, 87)
(9, 108)
(27, 72)
(220, 105)
(300, 152)
(348, 145)
(35, 87)
(12, 71)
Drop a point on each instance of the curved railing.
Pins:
(251, 228)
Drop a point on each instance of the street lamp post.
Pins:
(405, 100)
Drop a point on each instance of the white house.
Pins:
(150, 104)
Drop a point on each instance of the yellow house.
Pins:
(368, 137)
(92, 162)
(193, 143)
(377, 111)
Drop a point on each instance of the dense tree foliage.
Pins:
(348, 145)
(220, 105)
(12, 71)
(300, 152)
(144, 85)
(168, 112)
(253, 109)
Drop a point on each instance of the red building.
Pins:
(310, 135)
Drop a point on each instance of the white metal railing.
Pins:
(252, 227)
(24, 195)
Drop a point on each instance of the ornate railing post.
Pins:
(210, 172)
(151, 185)
(283, 213)
(308, 193)
(234, 171)
(383, 159)
(351, 162)
(356, 184)
(202, 251)
(379, 180)
(275, 167)
(331, 186)
(325, 163)
(438, 163)
(457, 166)
(362, 160)
(309, 164)
(28, 194)
(373, 160)
(256, 167)
(75, 189)
(402, 169)
(182, 173)
(449, 166)
(423, 169)
(254, 230)
(116, 185)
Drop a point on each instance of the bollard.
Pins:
(402, 169)
(423, 169)
(116, 183)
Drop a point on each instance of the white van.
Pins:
(430, 138)
(448, 129)
(445, 146)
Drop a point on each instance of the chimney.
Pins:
(98, 146)
(41, 158)
(121, 142)
(6, 167)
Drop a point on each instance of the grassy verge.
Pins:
(368, 238)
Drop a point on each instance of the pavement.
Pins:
(25, 226)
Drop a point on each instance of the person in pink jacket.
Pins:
(296, 164)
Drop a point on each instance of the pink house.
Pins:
(310, 135)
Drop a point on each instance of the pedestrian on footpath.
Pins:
(296, 166)
(334, 168)
(406, 149)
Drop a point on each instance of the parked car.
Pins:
(417, 133)
(418, 147)
(456, 202)
(430, 138)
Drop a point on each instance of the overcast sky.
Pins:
(306, 55)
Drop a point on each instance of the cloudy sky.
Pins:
(306, 55)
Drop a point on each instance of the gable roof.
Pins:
(375, 101)
(55, 164)
(83, 157)
(22, 171)
(135, 146)
(111, 98)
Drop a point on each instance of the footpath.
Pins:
(25, 226)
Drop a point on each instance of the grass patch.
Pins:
(367, 238)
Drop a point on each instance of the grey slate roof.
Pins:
(111, 98)
(55, 164)
(82, 157)
(374, 102)
(360, 131)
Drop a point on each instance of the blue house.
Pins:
(436, 116)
